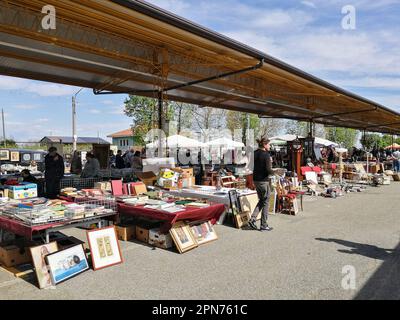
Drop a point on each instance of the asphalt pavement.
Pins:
(344, 248)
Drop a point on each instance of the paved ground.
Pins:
(301, 259)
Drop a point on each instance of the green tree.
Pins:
(346, 137)
(10, 143)
(242, 120)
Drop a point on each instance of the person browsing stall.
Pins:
(92, 166)
(261, 173)
(119, 160)
(54, 172)
(28, 177)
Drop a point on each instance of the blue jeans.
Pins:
(396, 165)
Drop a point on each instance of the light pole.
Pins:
(74, 136)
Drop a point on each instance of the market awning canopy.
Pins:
(132, 46)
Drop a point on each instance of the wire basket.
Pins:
(79, 183)
(37, 215)
(107, 203)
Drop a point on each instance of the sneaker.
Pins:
(266, 228)
(252, 224)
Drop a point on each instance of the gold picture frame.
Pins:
(183, 237)
(4, 155)
(14, 156)
(204, 232)
(42, 270)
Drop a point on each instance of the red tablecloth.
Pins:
(26, 231)
(212, 213)
(21, 229)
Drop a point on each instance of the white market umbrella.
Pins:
(225, 143)
(285, 137)
(319, 142)
(177, 141)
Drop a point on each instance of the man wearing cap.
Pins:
(262, 171)
(54, 171)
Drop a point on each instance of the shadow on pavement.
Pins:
(366, 250)
(384, 284)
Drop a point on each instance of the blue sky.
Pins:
(307, 34)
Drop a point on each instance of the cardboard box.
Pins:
(187, 173)
(4, 193)
(148, 178)
(142, 234)
(125, 232)
(142, 229)
(160, 240)
(22, 191)
(12, 255)
(188, 182)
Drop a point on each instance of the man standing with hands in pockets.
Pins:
(262, 171)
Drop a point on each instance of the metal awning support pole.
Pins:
(160, 122)
(392, 142)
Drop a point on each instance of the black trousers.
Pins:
(263, 189)
(52, 188)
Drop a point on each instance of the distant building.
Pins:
(48, 140)
(99, 146)
(124, 139)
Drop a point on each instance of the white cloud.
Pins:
(309, 4)
(117, 110)
(94, 111)
(10, 83)
(50, 89)
(42, 89)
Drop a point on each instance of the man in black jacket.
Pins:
(262, 171)
(54, 171)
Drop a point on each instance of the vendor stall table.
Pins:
(210, 193)
(248, 199)
(28, 231)
(212, 213)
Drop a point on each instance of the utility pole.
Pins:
(4, 129)
(74, 135)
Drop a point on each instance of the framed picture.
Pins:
(15, 156)
(26, 157)
(204, 232)
(272, 203)
(67, 263)
(39, 254)
(183, 237)
(4, 155)
(104, 247)
(242, 219)
(37, 157)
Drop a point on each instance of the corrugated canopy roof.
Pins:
(68, 140)
(133, 46)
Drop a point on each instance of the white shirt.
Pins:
(396, 155)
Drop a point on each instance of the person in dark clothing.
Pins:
(76, 163)
(119, 160)
(28, 177)
(54, 171)
(262, 171)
